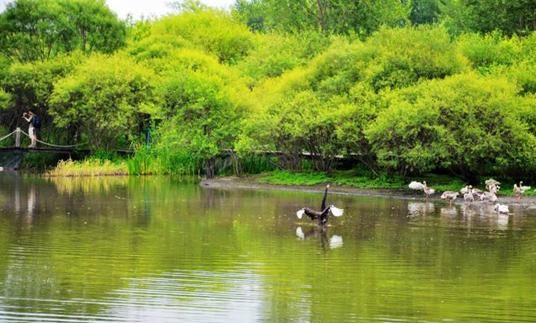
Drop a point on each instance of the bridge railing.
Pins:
(17, 133)
(17, 136)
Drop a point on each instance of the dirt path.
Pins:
(233, 182)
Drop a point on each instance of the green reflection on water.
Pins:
(158, 249)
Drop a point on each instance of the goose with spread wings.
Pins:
(322, 215)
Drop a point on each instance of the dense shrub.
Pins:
(106, 99)
(465, 123)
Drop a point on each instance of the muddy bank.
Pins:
(233, 182)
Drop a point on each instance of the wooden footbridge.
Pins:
(11, 157)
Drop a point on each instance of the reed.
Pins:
(89, 167)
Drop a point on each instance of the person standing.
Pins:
(34, 124)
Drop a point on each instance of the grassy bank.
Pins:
(353, 179)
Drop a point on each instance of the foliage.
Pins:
(324, 107)
(407, 56)
(510, 17)
(5, 99)
(106, 98)
(256, 164)
(485, 52)
(464, 123)
(313, 81)
(425, 11)
(39, 30)
(274, 53)
(204, 119)
(326, 16)
(287, 128)
(31, 84)
(208, 30)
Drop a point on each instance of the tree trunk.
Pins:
(210, 168)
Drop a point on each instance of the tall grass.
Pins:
(89, 167)
(256, 164)
(147, 161)
(143, 162)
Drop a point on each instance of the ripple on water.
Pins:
(167, 252)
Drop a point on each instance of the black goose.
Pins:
(323, 214)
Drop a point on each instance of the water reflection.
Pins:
(420, 208)
(502, 221)
(449, 212)
(320, 233)
(154, 250)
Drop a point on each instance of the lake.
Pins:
(156, 249)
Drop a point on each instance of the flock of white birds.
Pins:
(470, 194)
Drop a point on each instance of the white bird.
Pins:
(477, 192)
(468, 197)
(468, 194)
(501, 208)
(466, 189)
(449, 195)
(490, 196)
(523, 188)
(520, 190)
(418, 186)
(428, 190)
(493, 188)
(491, 182)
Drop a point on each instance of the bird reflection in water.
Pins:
(420, 208)
(480, 214)
(315, 232)
(449, 212)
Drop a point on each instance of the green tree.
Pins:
(209, 30)
(94, 26)
(406, 56)
(425, 11)
(491, 50)
(204, 119)
(5, 99)
(105, 100)
(30, 85)
(327, 16)
(510, 17)
(203, 103)
(275, 53)
(300, 124)
(465, 123)
(41, 29)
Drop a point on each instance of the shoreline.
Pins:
(233, 182)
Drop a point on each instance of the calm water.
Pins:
(157, 250)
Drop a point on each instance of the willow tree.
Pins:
(41, 29)
(105, 100)
(204, 104)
